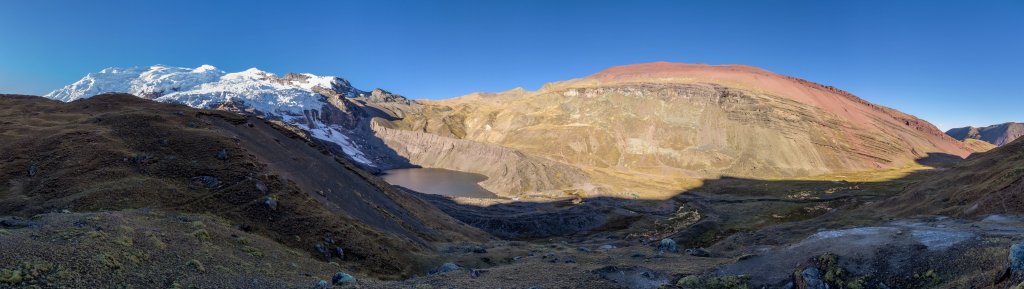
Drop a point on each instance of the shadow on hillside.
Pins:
(372, 112)
(939, 160)
(384, 157)
(697, 217)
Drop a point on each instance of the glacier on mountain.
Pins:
(286, 98)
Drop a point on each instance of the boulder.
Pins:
(633, 277)
(339, 252)
(474, 273)
(261, 186)
(810, 278)
(342, 278)
(718, 282)
(319, 248)
(668, 245)
(1017, 257)
(206, 181)
(446, 267)
(270, 202)
(698, 252)
(139, 159)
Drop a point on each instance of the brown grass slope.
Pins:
(986, 183)
(977, 145)
(149, 249)
(117, 151)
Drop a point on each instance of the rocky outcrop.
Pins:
(999, 134)
(380, 96)
(510, 172)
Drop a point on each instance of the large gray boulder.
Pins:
(1017, 257)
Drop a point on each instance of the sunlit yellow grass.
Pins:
(641, 186)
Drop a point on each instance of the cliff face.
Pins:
(510, 172)
(680, 120)
(999, 134)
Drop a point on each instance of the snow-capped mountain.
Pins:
(207, 87)
(319, 104)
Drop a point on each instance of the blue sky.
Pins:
(953, 63)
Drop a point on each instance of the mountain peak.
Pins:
(119, 70)
(858, 113)
(663, 69)
(296, 98)
(251, 73)
(204, 68)
(206, 86)
(998, 134)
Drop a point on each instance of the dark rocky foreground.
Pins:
(119, 152)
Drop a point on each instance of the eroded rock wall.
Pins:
(510, 172)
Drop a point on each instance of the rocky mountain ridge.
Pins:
(998, 134)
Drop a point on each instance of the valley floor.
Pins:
(757, 233)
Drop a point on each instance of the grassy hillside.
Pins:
(118, 152)
(986, 183)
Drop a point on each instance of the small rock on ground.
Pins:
(698, 252)
(633, 277)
